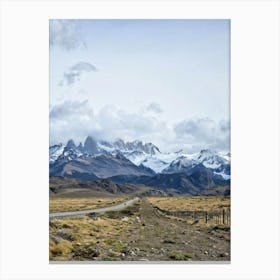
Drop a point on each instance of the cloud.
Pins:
(70, 119)
(203, 133)
(77, 119)
(115, 123)
(75, 72)
(65, 34)
(154, 107)
(71, 110)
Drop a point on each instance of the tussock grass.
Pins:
(87, 237)
(197, 206)
(77, 204)
(135, 233)
(60, 248)
(193, 203)
(179, 256)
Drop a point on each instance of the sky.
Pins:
(159, 81)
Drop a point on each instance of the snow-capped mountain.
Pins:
(181, 162)
(69, 151)
(157, 162)
(204, 173)
(218, 163)
(146, 155)
(55, 151)
(97, 166)
(136, 151)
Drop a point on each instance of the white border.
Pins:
(255, 138)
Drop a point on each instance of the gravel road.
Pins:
(98, 210)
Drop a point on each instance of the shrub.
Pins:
(85, 251)
(179, 256)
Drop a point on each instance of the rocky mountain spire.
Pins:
(90, 146)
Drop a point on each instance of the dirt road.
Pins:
(99, 210)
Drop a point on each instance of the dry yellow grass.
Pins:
(63, 248)
(213, 205)
(83, 234)
(77, 204)
(194, 203)
(136, 233)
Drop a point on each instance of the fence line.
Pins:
(219, 217)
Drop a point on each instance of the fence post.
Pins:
(223, 216)
(206, 217)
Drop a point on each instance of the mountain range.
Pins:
(137, 162)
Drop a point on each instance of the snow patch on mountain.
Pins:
(223, 175)
(146, 154)
(157, 162)
(55, 151)
(154, 163)
(207, 158)
(225, 155)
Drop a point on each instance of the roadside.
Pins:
(136, 233)
(98, 210)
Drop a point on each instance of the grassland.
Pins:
(199, 211)
(66, 204)
(141, 233)
(191, 203)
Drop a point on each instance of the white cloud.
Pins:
(76, 120)
(70, 109)
(200, 133)
(115, 123)
(65, 34)
(70, 119)
(75, 72)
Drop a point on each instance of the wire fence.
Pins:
(217, 217)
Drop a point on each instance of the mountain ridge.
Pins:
(146, 154)
(143, 163)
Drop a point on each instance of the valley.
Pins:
(183, 211)
(130, 160)
(141, 233)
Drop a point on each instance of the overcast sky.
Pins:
(159, 81)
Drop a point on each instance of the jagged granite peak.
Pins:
(119, 144)
(136, 145)
(106, 143)
(146, 155)
(70, 144)
(206, 153)
(80, 147)
(90, 146)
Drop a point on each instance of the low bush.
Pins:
(179, 256)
